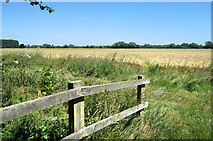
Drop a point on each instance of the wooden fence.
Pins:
(75, 97)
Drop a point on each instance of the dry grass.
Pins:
(177, 57)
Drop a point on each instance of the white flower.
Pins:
(28, 56)
(15, 62)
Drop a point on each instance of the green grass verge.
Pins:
(179, 98)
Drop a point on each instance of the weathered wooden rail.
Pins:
(75, 98)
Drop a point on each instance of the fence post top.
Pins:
(75, 82)
(141, 76)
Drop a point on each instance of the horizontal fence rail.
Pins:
(21, 109)
(75, 98)
(105, 122)
(88, 90)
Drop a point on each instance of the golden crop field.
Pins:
(177, 57)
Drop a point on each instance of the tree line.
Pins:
(120, 44)
(9, 43)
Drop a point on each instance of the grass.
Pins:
(179, 97)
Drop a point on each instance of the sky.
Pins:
(104, 23)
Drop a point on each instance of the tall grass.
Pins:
(179, 98)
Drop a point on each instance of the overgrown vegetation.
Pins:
(179, 98)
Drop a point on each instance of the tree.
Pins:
(21, 46)
(42, 7)
(120, 44)
(184, 45)
(132, 45)
(71, 46)
(65, 46)
(193, 45)
(172, 45)
(208, 44)
(147, 46)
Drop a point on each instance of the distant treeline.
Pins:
(9, 43)
(121, 44)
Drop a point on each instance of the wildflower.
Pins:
(15, 62)
(28, 56)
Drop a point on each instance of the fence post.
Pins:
(75, 109)
(140, 93)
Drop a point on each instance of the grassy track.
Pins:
(179, 97)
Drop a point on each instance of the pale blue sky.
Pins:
(106, 23)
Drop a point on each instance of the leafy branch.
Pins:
(40, 4)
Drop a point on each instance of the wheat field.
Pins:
(175, 57)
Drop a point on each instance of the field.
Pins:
(178, 57)
(179, 93)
